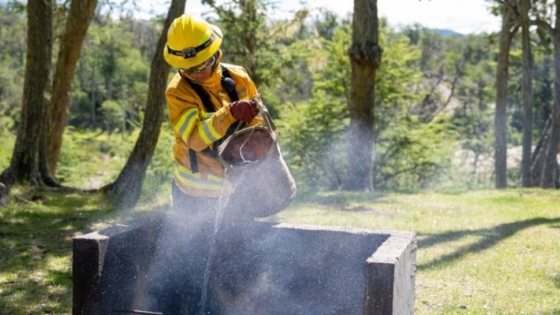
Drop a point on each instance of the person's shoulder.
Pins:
(175, 81)
(178, 87)
(236, 69)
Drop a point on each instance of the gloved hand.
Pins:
(244, 110)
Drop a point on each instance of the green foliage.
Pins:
(8, 143)
(473, 118)
(92, 159)
(430, 88)
(332, 65)
(114, 65)
(411, 156)
(313, 132)
(312, 141)
(114, 115)
(398, 80)
(433, 128)
(245, 33)
(12, 59)
(82, 112)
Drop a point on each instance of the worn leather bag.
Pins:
(257, 181)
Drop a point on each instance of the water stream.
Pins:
(212, 252)
(218, 221)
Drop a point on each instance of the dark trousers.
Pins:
(196, 208)
(179, 275)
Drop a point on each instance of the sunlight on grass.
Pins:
(35, 249)
(57, 263)
(480, 252)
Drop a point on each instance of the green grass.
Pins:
(35, 247)
(480, 252)
(36, 231)
(37, 227)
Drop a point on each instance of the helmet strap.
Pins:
(191, 52)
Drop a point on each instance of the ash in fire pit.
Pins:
(259, 268)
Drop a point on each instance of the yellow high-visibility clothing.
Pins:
(197, 129)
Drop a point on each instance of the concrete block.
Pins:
(159, 264)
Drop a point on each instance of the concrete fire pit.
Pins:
(255, 268)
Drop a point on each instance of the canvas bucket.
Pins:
(257, 181)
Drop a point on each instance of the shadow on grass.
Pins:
(556, 281)
(339, 199)
(489, 237)
(36, 250)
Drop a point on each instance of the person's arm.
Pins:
(247, 90)
(196, 130)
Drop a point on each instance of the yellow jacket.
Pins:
(197, 129)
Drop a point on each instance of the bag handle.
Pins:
(267, 119)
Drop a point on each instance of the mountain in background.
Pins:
(447, 32)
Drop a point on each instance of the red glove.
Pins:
(244, 110)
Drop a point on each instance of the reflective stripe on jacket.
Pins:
(197, 129)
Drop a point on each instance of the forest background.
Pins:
(447, 120)
(434, 111)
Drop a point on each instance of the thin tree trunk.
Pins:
(365, 57)
(24, 165)
(539, 153)
(250, 16)
(526, 180)
(126, 189)
(79, 18)
(93, 98)
(545, 164)
(500, 116)
(550, 170)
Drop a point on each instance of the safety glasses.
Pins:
(202, 67)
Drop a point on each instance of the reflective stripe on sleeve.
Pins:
(186, 123)
(207, 132)
(188, 178)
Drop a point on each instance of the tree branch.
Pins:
(543, 25)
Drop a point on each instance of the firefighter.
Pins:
(207, 100)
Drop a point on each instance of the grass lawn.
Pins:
(480, 252)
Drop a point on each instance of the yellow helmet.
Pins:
(191, 41)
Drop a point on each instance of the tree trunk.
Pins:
(126, 189)
(250, 17)
(547, 94)
(77, 23)
(500, 116)
(550, 168)
(539, 155)
(365, 57)
(25, 162)
(526, 180)
(93, 98)
(545, 164)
